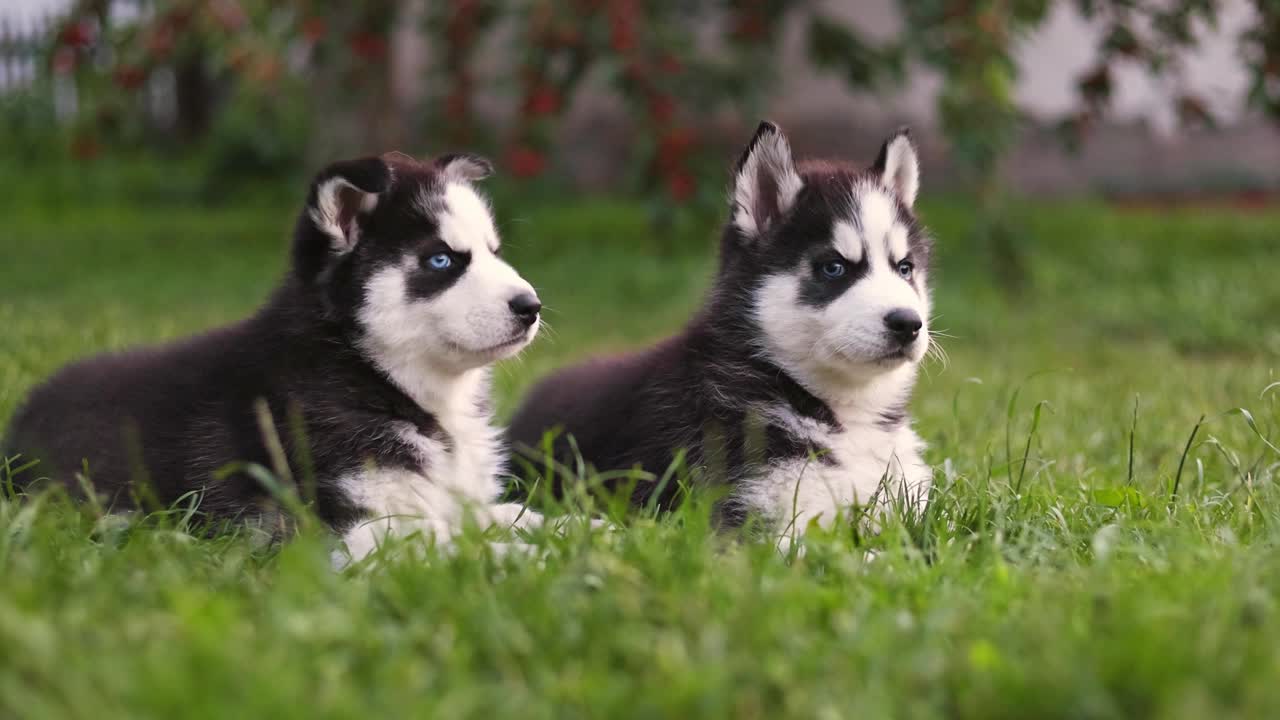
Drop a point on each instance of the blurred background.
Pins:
(1140, 100)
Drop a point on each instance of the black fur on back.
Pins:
(698, 390)
(156, 424)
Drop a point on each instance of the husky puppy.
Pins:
(375, 347)
(790, 385)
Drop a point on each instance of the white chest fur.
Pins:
(455, 481)
(858, 464)
(466, 464)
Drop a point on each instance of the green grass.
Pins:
(1092, 592)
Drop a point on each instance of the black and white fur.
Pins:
(791, 383)
(382, 353)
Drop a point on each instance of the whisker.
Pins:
(550, 333)
(938, 354)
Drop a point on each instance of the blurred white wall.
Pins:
(1049, 59)
(21, 12)
(1140, 146)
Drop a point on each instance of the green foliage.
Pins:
(1261, 45)
(834, 46)
(1155, 36)
(256, 138)
(28, 120)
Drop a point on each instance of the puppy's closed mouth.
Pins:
(894, 355)
(518, 339)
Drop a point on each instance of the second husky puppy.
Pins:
(791, 384)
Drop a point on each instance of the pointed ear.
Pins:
(327, 226)
(464, 167)
(898, 168)
(340, 193)
(765, 182)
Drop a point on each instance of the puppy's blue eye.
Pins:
(834, 269)
(439, 261)
(906, 269)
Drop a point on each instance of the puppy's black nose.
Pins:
(526, 307)
(903, 324)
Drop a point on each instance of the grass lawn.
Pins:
(1056, 574)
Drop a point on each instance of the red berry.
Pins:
(543, 101)
(673, 148)
(160, 41)
(314, 29)
(622, 37)
(680, 185)
(749, 25)
(526, 162)
(662, 107)
(77, 34)
(367, 45)
(622, 25)
(129, 77)
(64, 61)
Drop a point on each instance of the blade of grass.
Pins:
(1182, 461)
